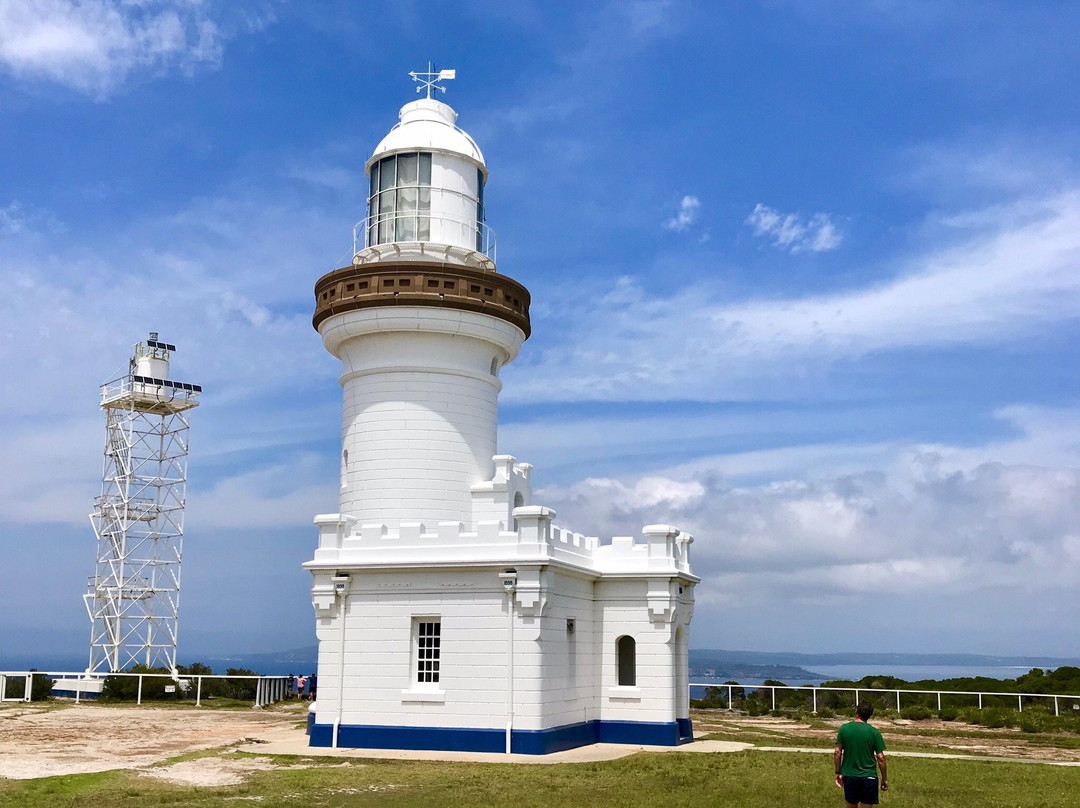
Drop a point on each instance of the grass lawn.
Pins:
(740, 780)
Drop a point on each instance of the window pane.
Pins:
(386, 173)
(406, 200)
(423, 223)
(386, 202)
(406, 168)
(425, 168)
(374, 185)
(625, 661)
(405, 218)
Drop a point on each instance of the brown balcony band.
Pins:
(415, 283)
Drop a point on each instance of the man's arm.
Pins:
(884, 776)
(838, 758)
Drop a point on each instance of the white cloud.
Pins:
(16, 219)
(94, 45)
(686, 216)
(927, 518)
(1014, 278)
(788, 231)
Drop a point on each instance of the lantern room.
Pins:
(426, 187)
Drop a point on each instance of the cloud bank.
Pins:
(94, 45)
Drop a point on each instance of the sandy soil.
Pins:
(978, 741)
(47, 741)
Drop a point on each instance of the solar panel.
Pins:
(194, 388)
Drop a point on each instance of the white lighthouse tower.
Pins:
(452, 612)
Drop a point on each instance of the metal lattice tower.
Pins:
(134, 594)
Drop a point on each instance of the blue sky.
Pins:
(805, 278)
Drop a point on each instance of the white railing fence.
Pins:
(813, 690)
(268, 689)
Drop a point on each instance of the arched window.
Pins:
(626, 661)
(519, 500)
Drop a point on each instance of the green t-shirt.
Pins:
(861, 743)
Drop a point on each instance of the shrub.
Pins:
(825, 712)
(916, 713)
(126, 688)
(242, 689)
(40, 687)
(1035, 722)
(757, 706)
(948, 713)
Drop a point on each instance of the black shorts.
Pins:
(861, 789)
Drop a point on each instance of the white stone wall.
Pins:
(420, 409)
(560, 678)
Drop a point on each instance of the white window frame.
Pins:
(420, 692)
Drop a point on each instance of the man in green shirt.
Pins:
(859, 753)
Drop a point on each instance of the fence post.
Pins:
(939, 701)
(980, 701)
(773, 697)
(1055, 706)
(78, 690)
(29, 686)
(897, 701)
(815, 700)
(856, 697)
(198, 692)
(730, 706)
(1019, 703)
(139, 699)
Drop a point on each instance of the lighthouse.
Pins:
(452, 612)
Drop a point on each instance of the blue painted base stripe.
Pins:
(523, 742)
(686, 730)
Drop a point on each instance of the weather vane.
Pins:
(430, 80)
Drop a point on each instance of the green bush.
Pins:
(40, 687)
(948, 713)
(242, 689)
(126, 688)
(916, 712)
(757, 707)
(1035, 722)
(998, 717)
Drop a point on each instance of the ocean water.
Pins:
(909, 673)
(912, 673)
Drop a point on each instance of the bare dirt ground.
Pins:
(43, 741)
(63, 738)
(954, 737)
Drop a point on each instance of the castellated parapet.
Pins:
(501, 534)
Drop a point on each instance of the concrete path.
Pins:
(295, 742)
(290, 741)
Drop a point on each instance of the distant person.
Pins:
(313, 683)
(301, 683)
(859, 753)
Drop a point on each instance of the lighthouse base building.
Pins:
(452, 612)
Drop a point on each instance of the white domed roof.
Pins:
(428, 125)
